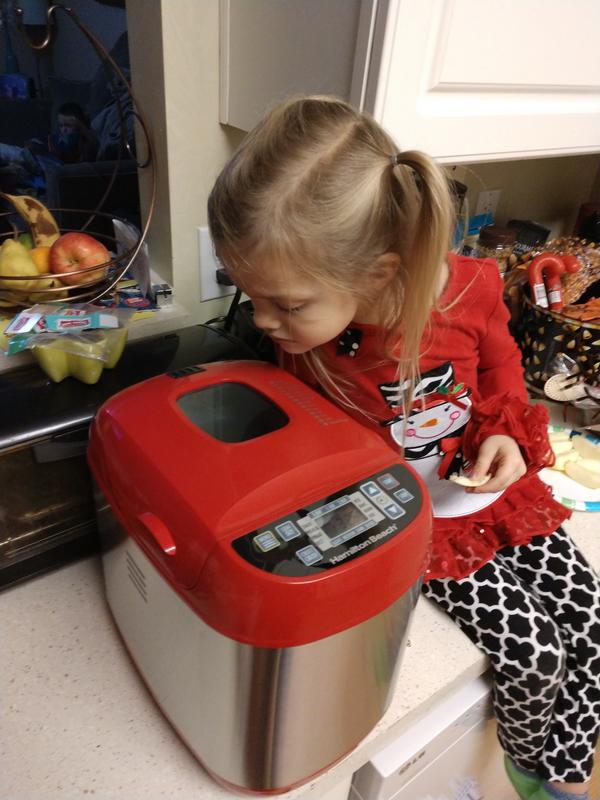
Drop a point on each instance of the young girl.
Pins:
(339, 239)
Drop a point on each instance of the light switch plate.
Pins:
(209, 288)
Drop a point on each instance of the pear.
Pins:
(26, 239)
(15, 261)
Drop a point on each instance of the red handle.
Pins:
(159, 532)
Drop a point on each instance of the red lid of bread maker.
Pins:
(277, 517)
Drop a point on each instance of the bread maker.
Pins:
(262, 554)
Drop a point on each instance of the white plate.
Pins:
(448, 499)
(567, 491)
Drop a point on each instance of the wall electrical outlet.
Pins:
(209, 288)
(487, 202)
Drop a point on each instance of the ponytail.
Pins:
(424, 254)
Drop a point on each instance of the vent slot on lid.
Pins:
(185, 371)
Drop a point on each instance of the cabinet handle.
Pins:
(159, 532)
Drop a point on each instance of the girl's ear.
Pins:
(383, 270)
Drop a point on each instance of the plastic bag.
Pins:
(127, 237)
(80, 355)
(77, 339)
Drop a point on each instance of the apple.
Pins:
(74, 251)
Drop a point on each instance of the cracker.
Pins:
(462, 480)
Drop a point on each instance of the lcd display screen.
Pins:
(341, 520)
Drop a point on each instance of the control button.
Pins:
(404, 495)
(266, 541)
(288, 531)
(320, 540)
(308, 555)
(394, 511)
(362, 502)
(382, 500)
(388, 481)
(370, 489)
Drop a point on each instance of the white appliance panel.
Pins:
(452, 753)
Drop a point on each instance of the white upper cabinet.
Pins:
(478, 80)
(464, 80)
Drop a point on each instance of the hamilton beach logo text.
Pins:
(356, 548)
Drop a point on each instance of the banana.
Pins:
(10, 300)
(42, 224)
(43, 297)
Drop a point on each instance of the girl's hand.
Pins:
(500, 456)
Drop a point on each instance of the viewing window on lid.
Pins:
(232, 412)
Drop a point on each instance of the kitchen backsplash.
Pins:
(547, 190)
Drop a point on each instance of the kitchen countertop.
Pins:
(78, 721)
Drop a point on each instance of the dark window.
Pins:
(232, 412)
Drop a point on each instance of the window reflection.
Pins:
(64, 115)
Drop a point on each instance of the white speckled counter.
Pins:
(77, 721)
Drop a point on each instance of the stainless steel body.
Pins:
(258, 718)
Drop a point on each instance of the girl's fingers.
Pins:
(485, 457)
(501, 479)
(495, 484)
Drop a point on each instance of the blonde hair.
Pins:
(321, 186)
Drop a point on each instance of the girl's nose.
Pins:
(265, 320)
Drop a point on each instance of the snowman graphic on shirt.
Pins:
(440, 411)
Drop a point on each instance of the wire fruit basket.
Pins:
(76, 285)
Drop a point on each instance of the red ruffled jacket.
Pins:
(472, 363)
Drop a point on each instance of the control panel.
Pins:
(332, 531)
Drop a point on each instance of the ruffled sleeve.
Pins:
(462, 545)
(510, 416)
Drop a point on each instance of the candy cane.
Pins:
(544, 278)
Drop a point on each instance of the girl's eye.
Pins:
(292, 310)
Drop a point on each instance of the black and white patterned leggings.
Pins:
(535, 611)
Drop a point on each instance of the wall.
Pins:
(547, 190)
(174, 49)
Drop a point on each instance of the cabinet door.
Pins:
(270, 50)
(473, 80)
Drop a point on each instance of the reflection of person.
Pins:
(340, 242)
(72, 142)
